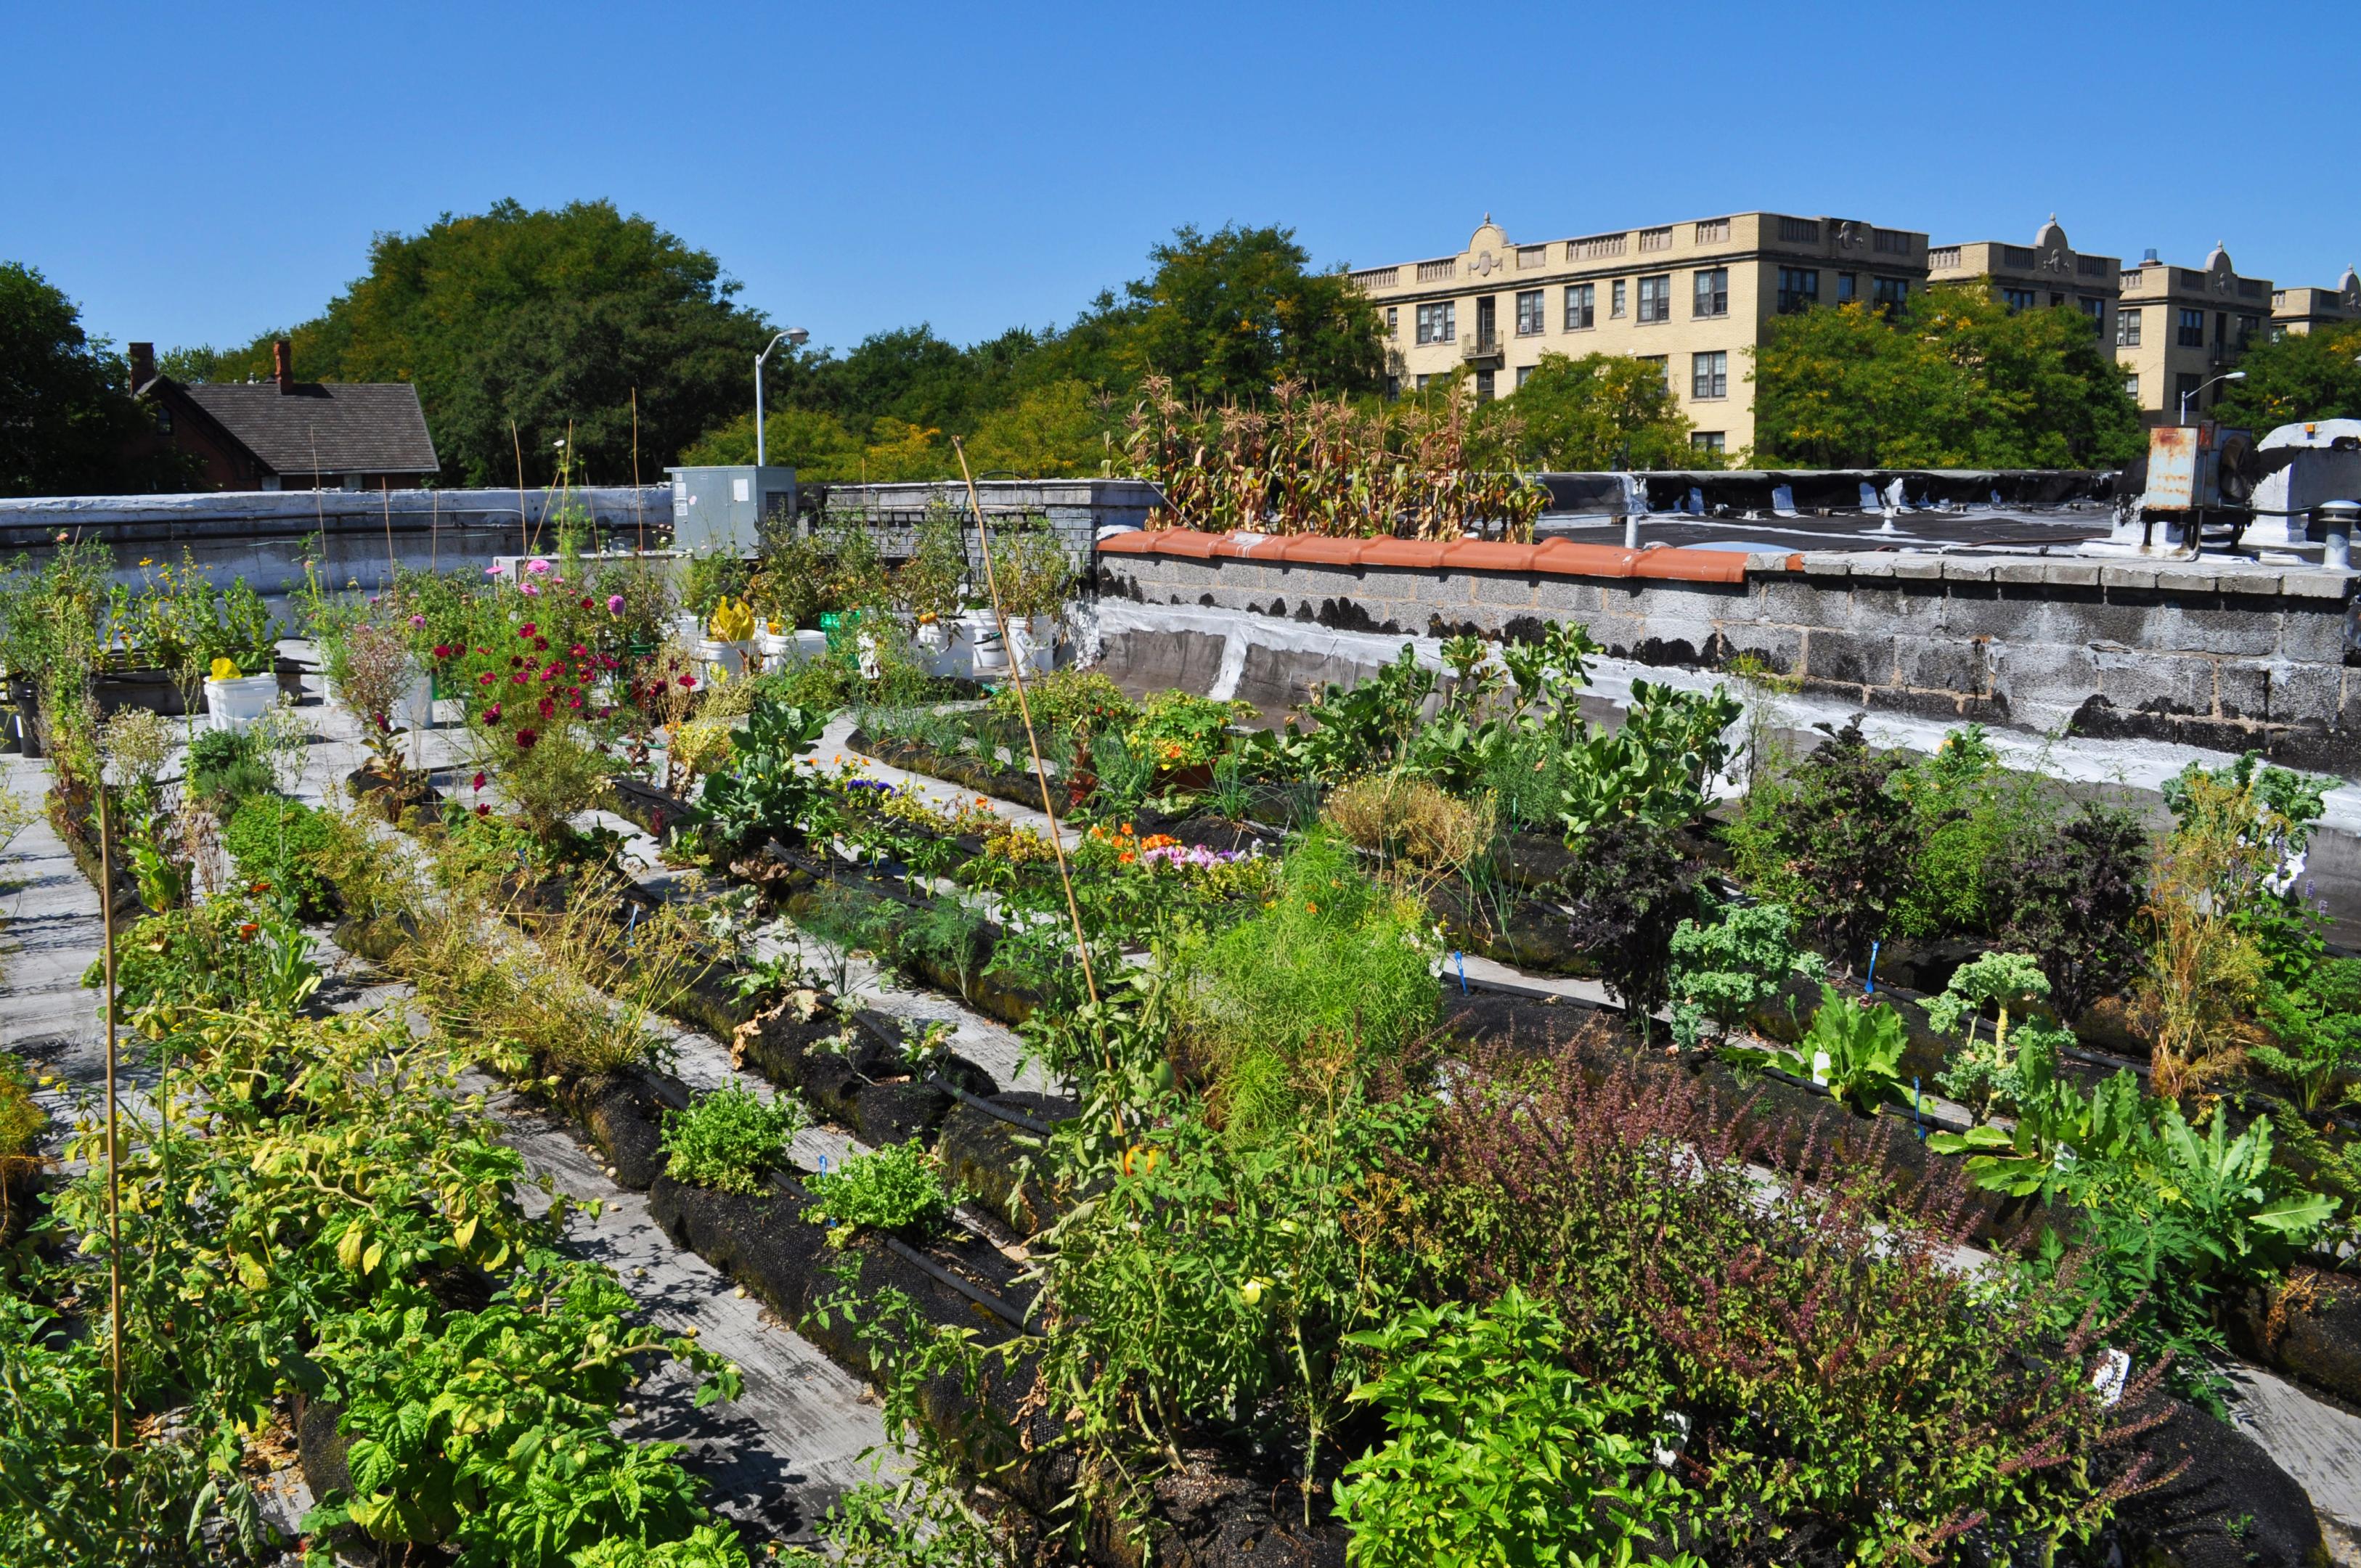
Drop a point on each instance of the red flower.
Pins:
(525, 738)
(442, 649)
(517, 679)
(579, 651)
(516, 660)
(586, 601)
(528, 629)
(688, 682)
(540, 644)
(574, 702)
(482, 810)
(486, 678)
(480, 780)
(605, 711)
(493, 714)
(547, 708)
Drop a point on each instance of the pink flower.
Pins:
(530, 591)
(528, 629)
(493, 714)
(442, 649)
(548, 707)
(494, 570)
(486, 678)
(614, 604)
(579, 651)
(416, 622)
(537, 567)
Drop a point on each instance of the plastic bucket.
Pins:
(235, 704)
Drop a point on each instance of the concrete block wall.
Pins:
(2231, 657)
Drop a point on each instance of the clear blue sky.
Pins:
(198, 174)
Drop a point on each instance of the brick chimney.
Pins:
(143, 364)
(282, 364)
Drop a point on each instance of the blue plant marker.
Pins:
(1869, 987)
(1461, 960)
(630, 929)
(1916, 1125)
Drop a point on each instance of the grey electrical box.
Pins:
(724, 508)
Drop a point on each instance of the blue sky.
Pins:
(198, 174)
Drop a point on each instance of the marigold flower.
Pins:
(246, 933)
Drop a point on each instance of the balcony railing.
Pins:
(1481, 346)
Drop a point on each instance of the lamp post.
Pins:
(2198, 391)
(794, 335)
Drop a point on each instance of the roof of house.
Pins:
(324, 427)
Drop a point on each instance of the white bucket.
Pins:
(1037, 642)
(773, 646)
(722, 659)
(986, 656)
(236, 704)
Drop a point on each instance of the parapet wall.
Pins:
(2231, 657)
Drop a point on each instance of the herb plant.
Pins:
(730, 1140)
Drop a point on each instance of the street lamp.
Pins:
(798, 336)
(2199, 389)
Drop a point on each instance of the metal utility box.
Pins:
(724, 508)
(2198, 467)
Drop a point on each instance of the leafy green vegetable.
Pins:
(898, 1188)
(1853, 1048)
(731, 1139)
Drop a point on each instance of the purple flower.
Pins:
(614, 604)
(416, 622)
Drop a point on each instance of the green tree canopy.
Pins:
(2303, 376)
(1951, 381)
(545, 319)
(1601, 411)
(1230, 315)
(68, 424)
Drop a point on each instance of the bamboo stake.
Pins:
(639, 507)
(434, 528)
(385, 497)
(1025, 709)
(114, 1189)
(522, 542)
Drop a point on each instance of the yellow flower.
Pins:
(147, 560)
(223, 670)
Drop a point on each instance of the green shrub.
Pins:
(730, 1140)
(226, 765)
(1067, 697)
(1834, 840)
(225, 952)
(896, 1189)
(1497, 1452)
(283, 843)
(1853, 1049)
(1336, 975)
(1176, 730)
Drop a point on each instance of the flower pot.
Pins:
(235, 704)
(1036, 638)
(723, 660)
(987, 657)
(775, 646)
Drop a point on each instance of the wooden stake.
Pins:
(1025, 709)
(385, 497)
(639, 508)
(113, 1188)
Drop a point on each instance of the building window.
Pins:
(1524, 374)
(1581, 306)
(1656, 298)
(1423, 381)
(1484, 384)
(2127, 329)
(1529, 313)
(1614, 304)
(2096, 308)
(1393, 321)
(1438, 322)
(1799, 231)
(1706, 441)
(1889, 242)
(2247, 327)
(2184, 388)
(2192, 329)
(1889, 295)
(2019, 298)
(2131, 386)
(1848, 287)
(1709, 375)
(1663, 363)
(1712, 292)
(163, 418)
(1799, 288)
(1393, 388)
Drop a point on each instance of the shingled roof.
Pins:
(324, 427)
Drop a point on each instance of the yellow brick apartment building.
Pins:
(1692, 297)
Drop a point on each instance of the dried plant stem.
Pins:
(114, 1187)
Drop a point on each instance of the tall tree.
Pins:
(68, 424)
(542, 320)
(2303, 376)
(1230, 315)
(1952, 379)
(1601, 411)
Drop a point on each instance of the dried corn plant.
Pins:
(1325, 466)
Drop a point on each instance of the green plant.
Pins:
(765, 789)
(710, 578)
(2071, 898)
(225, 952)
(1853, 1049)
(876, 1525)
(729, 1139)
(1031, 568)
(1971, 817)
(1497, 1452)
(280, 848)
(1069, 697)
(1335, 976)
(1833, 839)
(1630, 890)
(1722, 971)
(225, 766)
(2316, 1033)
(896, 1189)
(1175, 729)
(2001, 981)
